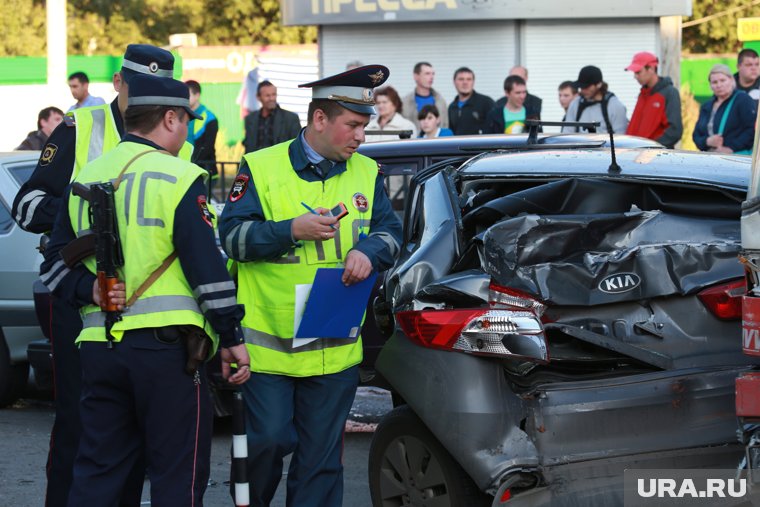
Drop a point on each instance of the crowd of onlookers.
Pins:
(726, 121)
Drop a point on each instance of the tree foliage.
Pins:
(106, 27)
(22, 31)
(717, 35)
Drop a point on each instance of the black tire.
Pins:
(13, 377)
(408, 467)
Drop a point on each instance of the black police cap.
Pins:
(146, 59)
(351, 89)
(145, 90)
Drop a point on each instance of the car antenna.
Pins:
(614, 167)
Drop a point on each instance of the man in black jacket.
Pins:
(47, 120)
(468, 111)
(271, 124)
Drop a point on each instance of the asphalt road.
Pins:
(25, 431)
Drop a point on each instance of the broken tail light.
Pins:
(500, 296)
(725, 300)
(504, 330)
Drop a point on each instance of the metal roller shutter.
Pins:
(554, 51)
(487, 47)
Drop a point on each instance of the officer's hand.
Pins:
(313, 227)
(358, 267)
(117, 296)
(238, 355)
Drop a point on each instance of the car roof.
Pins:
(710, 169)
(19, 155)
(468, 145)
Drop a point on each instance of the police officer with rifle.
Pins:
(84, 135)
(149, 323)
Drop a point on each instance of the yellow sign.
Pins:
(748, 29)
(230, 64)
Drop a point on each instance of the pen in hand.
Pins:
(313, 211)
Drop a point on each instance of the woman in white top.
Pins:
(388, 105)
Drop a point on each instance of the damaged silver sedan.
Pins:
(554, 322)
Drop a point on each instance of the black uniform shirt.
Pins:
(37, 202)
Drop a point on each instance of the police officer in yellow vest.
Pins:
(298, 398)
(137, 397)
(84, 135)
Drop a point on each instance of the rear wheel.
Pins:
(408, 467)
(13, 377)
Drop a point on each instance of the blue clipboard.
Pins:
(334, 310)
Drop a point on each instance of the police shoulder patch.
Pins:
(239, 186)
(69, 120)
(203, 208)
(48, 153)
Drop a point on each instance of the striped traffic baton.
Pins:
(239, 451)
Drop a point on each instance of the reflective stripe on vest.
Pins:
(272, 342)
(267, 288)
(98, 135)
(145, 306)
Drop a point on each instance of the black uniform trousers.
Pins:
(137, 398)
(65, 326)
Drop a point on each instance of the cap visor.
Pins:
(358, 108)
(193, 114)
(634, 67)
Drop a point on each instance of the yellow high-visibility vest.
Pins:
(267, 288)
(147, 197)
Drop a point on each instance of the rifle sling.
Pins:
(152, 278)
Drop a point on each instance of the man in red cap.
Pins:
(658, 110)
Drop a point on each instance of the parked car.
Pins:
(553, 322)
(19, 268)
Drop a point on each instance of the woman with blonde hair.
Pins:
(726, 122)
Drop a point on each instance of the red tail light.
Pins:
(725, 301)
(436, 328)
(501, 330)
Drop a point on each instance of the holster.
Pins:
(197, 344)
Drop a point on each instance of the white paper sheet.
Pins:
(302, 295)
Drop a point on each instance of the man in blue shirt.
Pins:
(423, 95)
(79, 85)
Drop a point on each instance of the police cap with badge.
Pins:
(351, 89)
(145, 90)
(146, 59)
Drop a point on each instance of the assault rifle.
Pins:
(103, 242)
